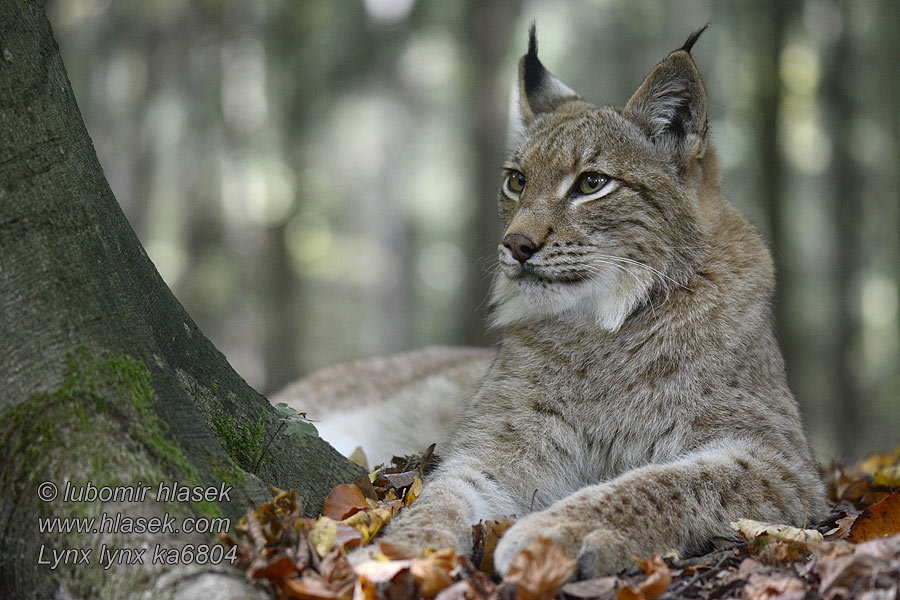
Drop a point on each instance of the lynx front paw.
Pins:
(603, 553)
(598, 551)
(528, 529)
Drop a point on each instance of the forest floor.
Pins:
(854, 553)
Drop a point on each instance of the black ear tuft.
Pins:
(533, 73)
(693, 39)
(536, 90)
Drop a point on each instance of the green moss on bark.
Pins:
(98, 426)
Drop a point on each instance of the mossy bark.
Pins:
(75, 282)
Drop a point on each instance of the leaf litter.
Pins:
(854, 553)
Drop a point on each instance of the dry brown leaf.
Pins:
(887, 548)
(539, 570)
(348, 536)
(413, 492)
(421, 577)
(343, 501)
(369, 522)
(876, 462)
(588, 589)
(278, 567)
(323, 535)
(877, 521)
(400, 480)
(842, 529)
(434, 572)
(364, 590)
(485, 536)
(337, 570)
(839, 575)
(751, 529)
(366, 487)
(658, 580)
(358, 457)
(888, 476)
(762, 587)
(379, 571)
(306, 589)
(461, 590)
(395, 551)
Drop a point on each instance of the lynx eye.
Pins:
(590, 183)
(515, 182)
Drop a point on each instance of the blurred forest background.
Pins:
(316, 180)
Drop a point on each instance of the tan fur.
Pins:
(390, 406)
(638, 401)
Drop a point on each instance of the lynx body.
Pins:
(637, 402)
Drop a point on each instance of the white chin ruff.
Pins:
(605, 299)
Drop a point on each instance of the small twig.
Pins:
(701, 575)
(266, 448)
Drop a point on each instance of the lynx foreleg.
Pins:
(680, 505)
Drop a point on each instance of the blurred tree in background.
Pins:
(316, 180)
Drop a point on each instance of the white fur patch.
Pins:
(607, 298)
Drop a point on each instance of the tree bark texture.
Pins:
(104, 377)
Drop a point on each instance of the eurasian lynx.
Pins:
(638, 401)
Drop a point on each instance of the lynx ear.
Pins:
(535, 91)
(671, 104)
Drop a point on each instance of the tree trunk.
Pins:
(773, 178)
(106, 381)
(488, 42)
(847, 210)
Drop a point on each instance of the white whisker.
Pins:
(638, 263)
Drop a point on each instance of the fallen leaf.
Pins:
(379, 571)
(879, 520)
(539, 570)
(368, 522)
(876, 462)
(461, 590)
(485, 536)
(751, 529)
(366, 487)
(838, 576)
(762, 587)
(433, 573)
(401, 480)
(278, 567)
(358, 457)
(588, 589)
(344, 501)
(337, 570)
(364, 590)
(413, 492)
(842, 529)
(888, 476)
(348, 536)
(323, 535)
(410, 578)
(888, 548)
(658, 580)
(395, 551)
(306, 589)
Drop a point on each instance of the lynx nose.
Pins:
(520, 245)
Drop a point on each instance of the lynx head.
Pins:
(601, 204)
